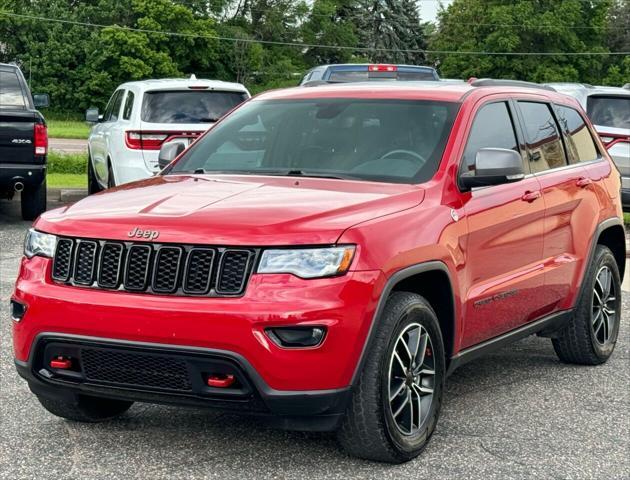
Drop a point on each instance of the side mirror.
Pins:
(41, 100)
(494, 166)
(92, 116)
(169, 152)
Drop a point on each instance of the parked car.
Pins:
(23, 142)
(125, 140)
(325, 257)
(363, 72)
(609, 111)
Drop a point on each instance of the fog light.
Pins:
(295, 337)
(17, 310)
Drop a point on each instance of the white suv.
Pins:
(609, 111)
(125, 140)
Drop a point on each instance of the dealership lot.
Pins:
(518, 413)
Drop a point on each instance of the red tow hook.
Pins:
(220, 380)
(61, 363)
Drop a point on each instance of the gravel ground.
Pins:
(518, 413)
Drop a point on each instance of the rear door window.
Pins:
(609, 111)
(113, 107)
(542, 137)
(11, 94)
(191, 106)
(578, 139)
(492, 128)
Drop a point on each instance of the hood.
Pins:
(231, 210)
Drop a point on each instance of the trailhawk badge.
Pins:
(139, 233)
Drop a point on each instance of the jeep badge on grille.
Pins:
(139, 233)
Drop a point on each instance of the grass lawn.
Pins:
(68, 129)
(66, 180)
(626, 218)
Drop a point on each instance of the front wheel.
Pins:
(590, 337)
(33, 201)
(396, 404)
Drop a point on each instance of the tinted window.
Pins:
(188, 106)
(128, 105)
(11, 95)
(113, 107)
(380, 140)
(580, 145)
(541, 134)
(609, 111)
(492, 128)
(344, 76)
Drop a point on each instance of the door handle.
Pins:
(531, 196)
(583, 182)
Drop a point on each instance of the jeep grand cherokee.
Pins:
(326, 256)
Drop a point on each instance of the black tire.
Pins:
(111, 181)
(580, 342)
(33, 201)
(85, 409)
(369, 429)
(93, 185)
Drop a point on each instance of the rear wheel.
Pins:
(93, 185)
(111, 181)
(33, 201)
(85, 409)
(590, 337)
(395, 406)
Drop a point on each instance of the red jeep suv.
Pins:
(324, 257)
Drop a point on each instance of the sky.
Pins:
(429, 8)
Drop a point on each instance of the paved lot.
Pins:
(518, 413)
(67, 145)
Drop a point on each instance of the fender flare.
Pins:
(604, 225)
(397, 277)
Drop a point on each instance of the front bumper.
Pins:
(344, 305)
(306, 410)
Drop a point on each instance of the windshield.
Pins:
(188, 106)
(609, 111)
(397, 141)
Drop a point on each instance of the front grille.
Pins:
(153, 268)
(135, 369)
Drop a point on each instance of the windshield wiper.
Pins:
(302, 173)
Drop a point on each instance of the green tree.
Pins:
(523, 26)
(330, 23)
(390, 25)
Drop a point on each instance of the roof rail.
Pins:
(491, 82)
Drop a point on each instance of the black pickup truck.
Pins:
(23, 142)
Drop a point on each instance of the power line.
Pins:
(304, 45)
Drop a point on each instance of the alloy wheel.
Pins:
(411, 379)
(604, 314)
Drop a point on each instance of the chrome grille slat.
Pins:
(154, 268)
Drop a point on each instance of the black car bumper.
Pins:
(31, 175)
(625, 199)
(175, 376)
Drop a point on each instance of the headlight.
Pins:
(38, 243)
(307, 262)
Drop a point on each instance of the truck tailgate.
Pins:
(16, 136)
